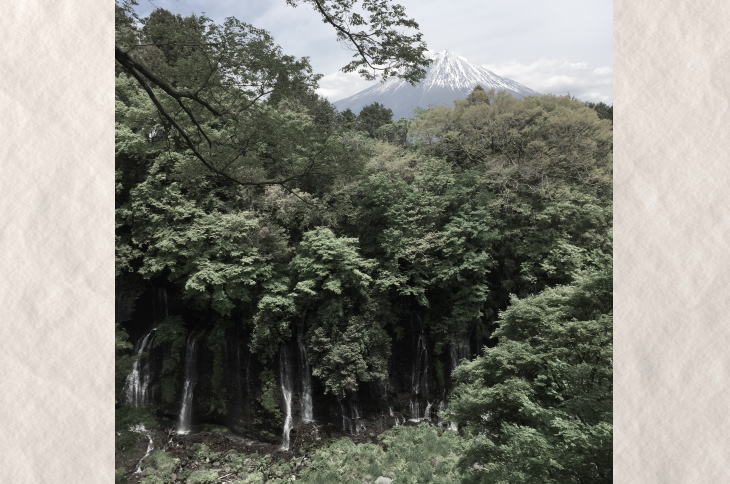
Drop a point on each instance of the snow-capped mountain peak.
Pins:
(449, 77)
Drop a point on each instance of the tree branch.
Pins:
(345, 33)
(129, 63)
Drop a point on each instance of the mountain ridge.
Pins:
(449, 77)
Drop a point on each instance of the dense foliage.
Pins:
(539, 401)
(407, 455)
(262, 211)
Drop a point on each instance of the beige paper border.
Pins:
(672, 253)
(56, 242)
(672, 300)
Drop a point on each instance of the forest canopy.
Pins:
(374, 268)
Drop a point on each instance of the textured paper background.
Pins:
(672, 300)
(672, 241)
(57, 241)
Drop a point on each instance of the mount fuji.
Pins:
(449, 77)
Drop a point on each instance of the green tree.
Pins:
(372, 117)
(604, 110)
(538, 403)
(332, 288)
(348, 119)
(206, 80)
(330, 296)
(395, 132)
(479, 96)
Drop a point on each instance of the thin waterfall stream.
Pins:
(286, 391)
(191, 376)
(138, 381)
(306, 400)
(141, 429)
(419, 380)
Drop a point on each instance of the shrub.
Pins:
(202, 476)
(422, 454)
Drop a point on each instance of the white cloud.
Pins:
(340, 84)
(553, 76)
(548, 76)
(536, 32)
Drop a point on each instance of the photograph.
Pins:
(363, 241)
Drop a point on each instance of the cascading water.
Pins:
(439, 412)
(306, 400)
(286, 391)
(358, 426)
(140, 429)
(414, 410)
(186, 406)
(351, 421)
(396, 419)
(346, 421)
(419, 379)
(450, 425)
(138, 381)
(419, 376)
(427, 412)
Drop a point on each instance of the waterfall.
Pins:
(186, 406)
(419, 376)
(351, 421)
(138, 380)
(306, 400)
(140, 429)
(419, 381)
(286, 391)
(415, 411)
(358, 425)
(450, 425)
(345, 419)
(439, 412)
(396, 419)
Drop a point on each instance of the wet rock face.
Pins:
(223, 383)
(409, 394)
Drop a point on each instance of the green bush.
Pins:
(422, 454)
(202, 476)
(119, 474)
(160, 468)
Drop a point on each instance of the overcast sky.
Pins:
(551, 46)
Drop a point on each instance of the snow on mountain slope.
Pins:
(449, 77)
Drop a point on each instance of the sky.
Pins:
(551, 46)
